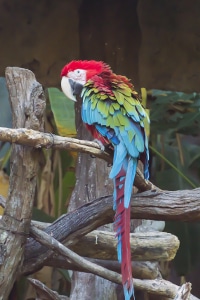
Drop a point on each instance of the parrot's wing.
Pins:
(117, 115)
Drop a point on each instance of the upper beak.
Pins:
(71, 88)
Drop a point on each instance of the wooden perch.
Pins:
(155, 246)
(69, 228)
(141, 269)
(158, 287)
(33, 138)
(27, 101)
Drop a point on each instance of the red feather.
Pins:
(91, 66)
(96, 135)
(122, 228)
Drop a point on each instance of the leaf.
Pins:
(4, 186)
(5, 116)
(63, 110)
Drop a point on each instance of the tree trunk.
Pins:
(27, 102)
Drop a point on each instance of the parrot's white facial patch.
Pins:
(78, 75)
(66, 88)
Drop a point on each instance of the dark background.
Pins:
(155, 43)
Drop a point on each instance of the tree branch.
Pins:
(159, 286)
(47, 240)
(33, 138)
(43, 292)
(141, 270)
(184, 292)
(153, 246)
(69, 228)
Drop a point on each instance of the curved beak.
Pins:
(71, 88)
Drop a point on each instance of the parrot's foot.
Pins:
(101, 145)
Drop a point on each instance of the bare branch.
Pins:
(184, 292)
(38, 139)
(53, 244)
(102, 244)
(69, 228)
(141, 270)
(43, 292)
(154, 246)
(159, 286)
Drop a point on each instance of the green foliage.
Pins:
(175, 124)
(176, 111)
(5, 121)
(63, 110)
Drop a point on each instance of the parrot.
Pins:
(111, 110)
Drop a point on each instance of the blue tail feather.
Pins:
(130, 176)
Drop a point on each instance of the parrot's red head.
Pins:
(77, 72)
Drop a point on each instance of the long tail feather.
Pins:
(122, 228)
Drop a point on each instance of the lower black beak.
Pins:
(76, 87)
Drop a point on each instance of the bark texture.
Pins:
(28, 103)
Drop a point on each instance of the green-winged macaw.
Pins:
(112, 112)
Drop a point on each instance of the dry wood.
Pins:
(38, 139)
(141, 270)
(155, 246)
(158, 286)
(163, 205)
(43, 292)
(27, 102)
(147, 270)
(53, 244)
(184, 292)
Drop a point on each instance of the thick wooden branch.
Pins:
(33, 138)
(47, 240)
(27, 102)
(153, 246)
(159, 286)
(141, 269)
(69, 228)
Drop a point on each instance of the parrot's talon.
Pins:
(92, 156)
(102, 147)
(51, 143)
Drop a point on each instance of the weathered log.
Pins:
(141, 269)
(154, 246)
(159, 205)
(27, 102)
(158, 286)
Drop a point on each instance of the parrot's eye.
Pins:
(77, 72)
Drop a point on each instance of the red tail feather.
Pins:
(122, 228)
